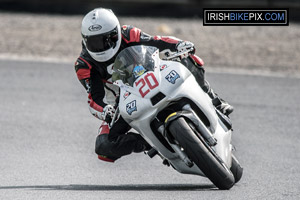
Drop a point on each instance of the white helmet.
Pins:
(101, 34)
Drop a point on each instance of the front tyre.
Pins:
(236, 169)
(207, 161)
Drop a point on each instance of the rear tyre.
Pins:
(236, 169)
(204, 157)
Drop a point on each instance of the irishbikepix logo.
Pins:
(245, 17)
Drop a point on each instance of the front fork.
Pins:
(182, 155)
(200, 127)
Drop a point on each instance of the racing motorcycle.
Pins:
(163, 102)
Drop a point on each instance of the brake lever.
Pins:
(183, 53)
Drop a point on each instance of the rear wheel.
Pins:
(201, 154)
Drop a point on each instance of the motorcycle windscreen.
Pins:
(133, 62)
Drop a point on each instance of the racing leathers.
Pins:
(95, 76)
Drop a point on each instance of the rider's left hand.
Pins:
(185, 46)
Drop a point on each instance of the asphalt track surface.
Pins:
(47, 140)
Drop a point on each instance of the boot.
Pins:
(219, 103)
(198, 71)
(222, 106)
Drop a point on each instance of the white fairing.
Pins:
(175, 81)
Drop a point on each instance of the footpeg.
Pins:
(152, 152)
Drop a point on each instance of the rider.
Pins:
(102, 39)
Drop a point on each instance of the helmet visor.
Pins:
(101, 42)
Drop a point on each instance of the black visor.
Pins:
(102, 42)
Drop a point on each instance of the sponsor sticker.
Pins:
(126, 94)
(162, 67)
(131, 107)
(138, 71)
(172, 76)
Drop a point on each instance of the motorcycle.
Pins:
(163, 102)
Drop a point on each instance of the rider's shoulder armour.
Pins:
(130, 34)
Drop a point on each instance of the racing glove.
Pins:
(108, 113)
(184, 46)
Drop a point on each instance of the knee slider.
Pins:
(103, 147)
(101, 141)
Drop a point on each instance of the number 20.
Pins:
(147, 83)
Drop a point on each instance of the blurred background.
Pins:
(50, 30)
(156, 8)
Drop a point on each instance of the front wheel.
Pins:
(207, 161)
(236, 169)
